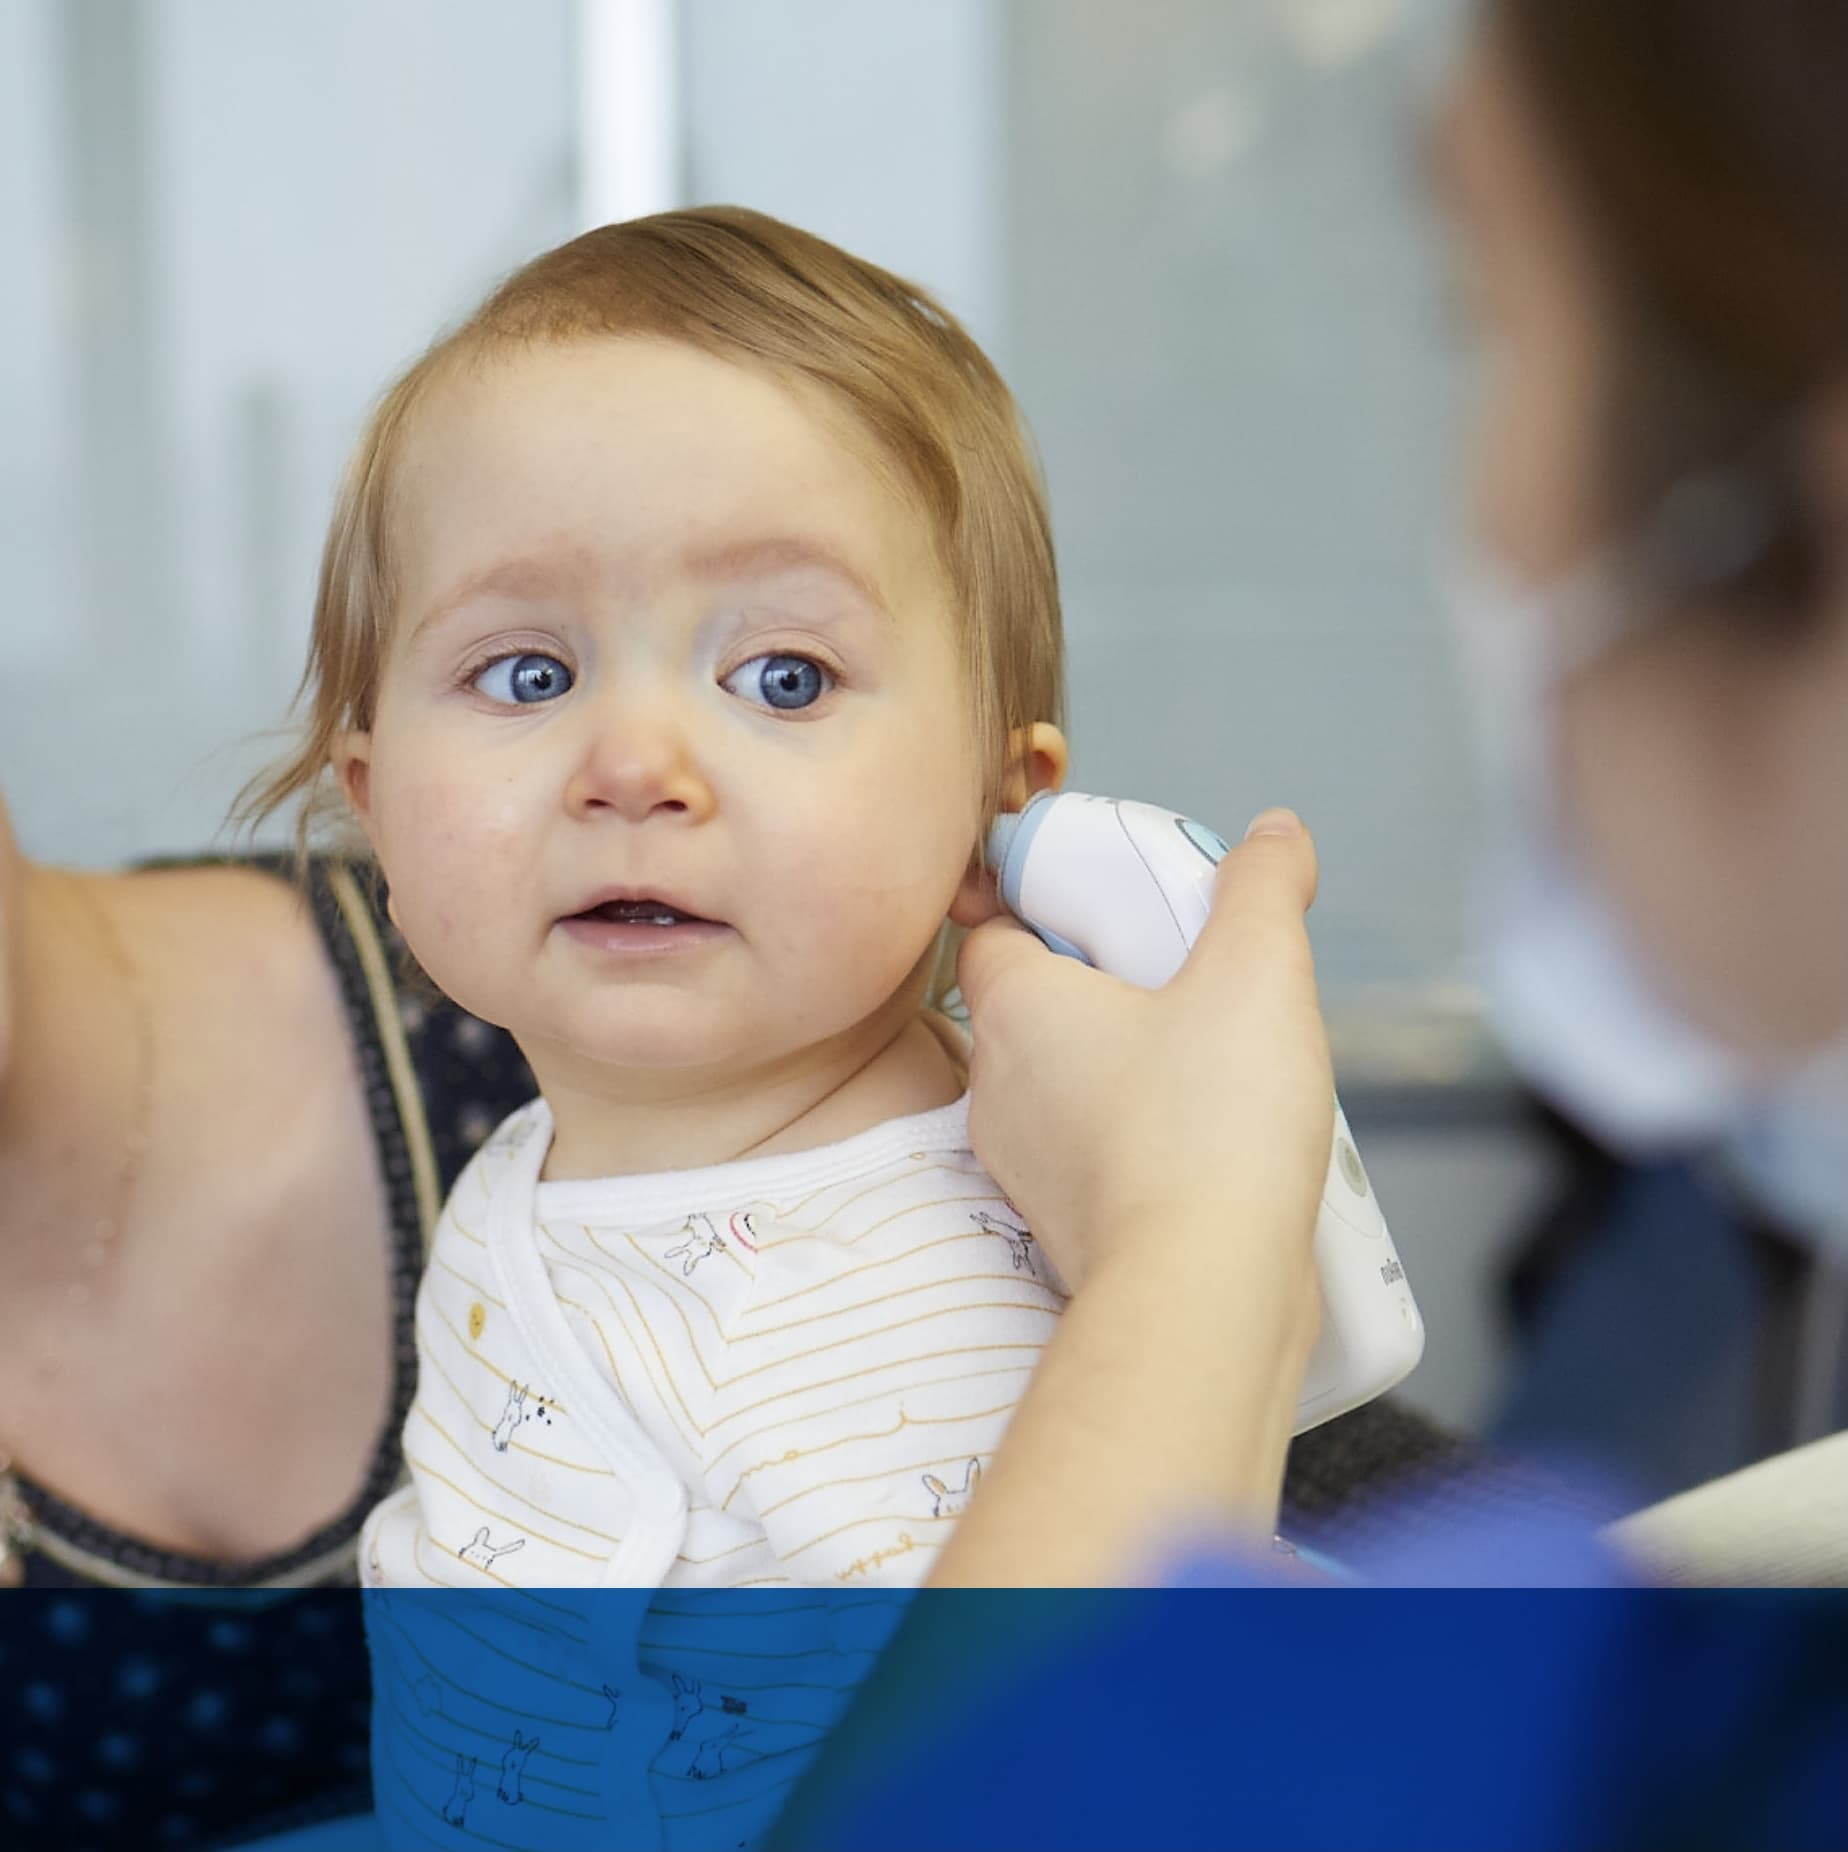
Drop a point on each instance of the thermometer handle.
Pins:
(1127, 887)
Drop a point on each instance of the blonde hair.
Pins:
(747, 288)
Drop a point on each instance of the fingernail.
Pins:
(1275, 823)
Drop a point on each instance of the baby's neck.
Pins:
(607, 1125)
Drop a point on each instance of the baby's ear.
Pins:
(1037, 760)
(351, 757)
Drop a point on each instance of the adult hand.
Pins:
(1112, 1114)
(1168, 1148)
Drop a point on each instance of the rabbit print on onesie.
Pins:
(810, 1403)
(656, 1396)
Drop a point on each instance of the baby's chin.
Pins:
(698, 1038)
(675, 1037)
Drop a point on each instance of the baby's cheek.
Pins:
(433, 916)
(869, 917)
(440, 829)
(447, 855)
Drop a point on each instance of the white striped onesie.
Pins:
(786, 1370)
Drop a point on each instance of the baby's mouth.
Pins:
(641, 913)
(627, 923)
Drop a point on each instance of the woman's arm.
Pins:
(1168, 1149)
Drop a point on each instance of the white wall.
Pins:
(39, 623)
(876, 123)
(231, 224)
(1227, 325)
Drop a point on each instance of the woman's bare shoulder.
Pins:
(184, 1075)
(227, 928)
(245, 1002)
(12, 885)
(226, 955)
(231, 925)
(219, 969)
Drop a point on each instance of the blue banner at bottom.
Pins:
(801, 1720)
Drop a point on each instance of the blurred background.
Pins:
(1193, 233)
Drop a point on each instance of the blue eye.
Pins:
(522, 681)
(783, 682)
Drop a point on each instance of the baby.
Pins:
(686, 616)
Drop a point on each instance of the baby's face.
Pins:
(668, 645)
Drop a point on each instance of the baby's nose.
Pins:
(636, 765)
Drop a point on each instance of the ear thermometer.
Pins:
(1127, 887)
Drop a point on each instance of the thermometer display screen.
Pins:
(1210, 844)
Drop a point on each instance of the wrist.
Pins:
(1223, 1239)
(1216, 1330)
(1234, 1312)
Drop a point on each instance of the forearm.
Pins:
(1160, 1410)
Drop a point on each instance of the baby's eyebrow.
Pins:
(533, 577)
(543, 576)
(739, 559)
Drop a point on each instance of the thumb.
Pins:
(1264, 888)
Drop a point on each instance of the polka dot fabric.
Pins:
(146, 1721)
